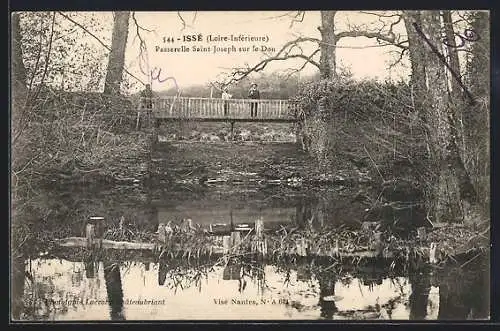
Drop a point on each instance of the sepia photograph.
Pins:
(249, 165)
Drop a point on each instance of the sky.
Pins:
(188, 68)
(169, 59)
(362, 56)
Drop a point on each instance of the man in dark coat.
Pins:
(253, 94)
(147, 97)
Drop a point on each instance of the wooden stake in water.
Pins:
(90, 235)
(377, 243)
(302, 247)
(432, 253)
(235, 241)
(162, 236)
(94, 230)
(261, 245)
(259, 228)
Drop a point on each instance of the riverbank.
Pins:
(265, 162)
(256, 177)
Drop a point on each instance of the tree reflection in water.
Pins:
(464, 295)
(114, 290)
(17, 289)
(327, 295)
(420, 281)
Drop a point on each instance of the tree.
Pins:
(451, 50)
(449, 185)
(416, 49)
(476, 117)
(18, 69)
(326, 45)
(116, 60)
(18, 77)
(327, 61)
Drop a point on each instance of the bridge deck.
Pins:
(216, 109)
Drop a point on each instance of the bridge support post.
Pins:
(152, 132)
(232, 131)
(298, 134)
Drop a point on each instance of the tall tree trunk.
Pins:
(327, 61)
(327, 289)
(454, 64)
(18, 90)
(419, 297)
(417, 48)
(113, 279)
(416, 51)
(116, 60)
(18, 277)
(451, 50)
(451, 182)
(476, 117)
(18, 78)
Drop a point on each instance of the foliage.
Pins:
(55, 52)
(63, 125)
(75, 133)
(369, 118)
(369, 126)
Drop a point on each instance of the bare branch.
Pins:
(142, 43)
(194, 17)
(239, 74)
(84, 29)
(38, 57)
(293, 71)
(299, 17)
(390, 39)
(182, 20)
(47, 57)
(384, 33)
(137, 24)
(354, 34)
(143, 51)
(399, 59)
(379, 15)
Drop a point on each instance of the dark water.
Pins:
(49, 285)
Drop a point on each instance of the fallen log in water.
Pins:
(257, 247)
(433, 248)
(80, 242)
(105, 244)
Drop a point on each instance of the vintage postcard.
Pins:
(250, 165)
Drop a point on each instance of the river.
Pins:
(50, 287)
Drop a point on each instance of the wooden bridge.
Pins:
(219, 110)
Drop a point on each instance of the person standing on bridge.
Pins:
(147, 97)
(145, 102)
(226, 96)
(253, 94)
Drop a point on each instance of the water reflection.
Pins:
(166, 287)
(419, 297)
(465, 296)
(327, 296)
(143, 210)
(17, 286)
(113, 279)
(60, 290)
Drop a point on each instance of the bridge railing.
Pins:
(216, 108)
